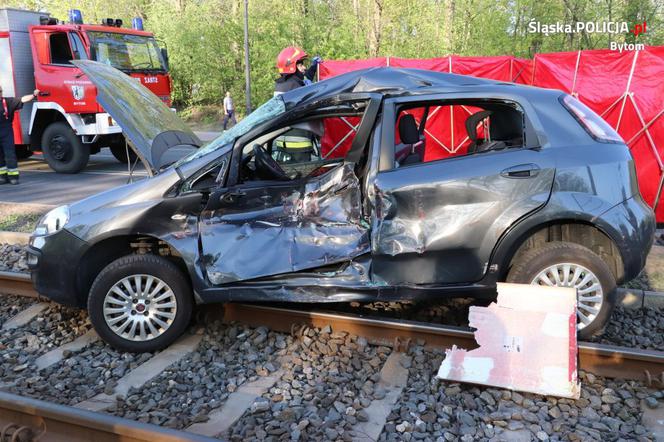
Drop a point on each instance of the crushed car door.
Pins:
(437, 222)
(263, 228)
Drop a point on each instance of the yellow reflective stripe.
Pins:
(12, 172)
(295, 144)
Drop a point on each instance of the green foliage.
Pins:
(205, 37)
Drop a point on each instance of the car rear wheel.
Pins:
(140, 303)
(63, 150)
(563, 264)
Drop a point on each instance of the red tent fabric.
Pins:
(625, 88)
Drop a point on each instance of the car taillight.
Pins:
(591, 122)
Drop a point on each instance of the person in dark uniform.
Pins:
(296, 145)
(8, 161)
(293, 72)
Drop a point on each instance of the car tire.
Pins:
(110, 299)
(551, 259)
(63, 150)
(120, 153)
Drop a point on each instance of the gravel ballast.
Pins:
(432, 409)
(328, 381)
(10, 305)
(635, 328)
(80, 376)
(53, 327)
(13, 258)
(186, 392)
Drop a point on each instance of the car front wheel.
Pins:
(562, 264)
(140, 303)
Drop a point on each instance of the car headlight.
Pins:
(53, 221)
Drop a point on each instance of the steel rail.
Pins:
(27, 419)
(12, 283)
(600, 359)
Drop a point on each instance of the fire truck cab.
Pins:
(66, 123)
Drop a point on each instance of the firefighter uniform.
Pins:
(296, 145)
(8, 160)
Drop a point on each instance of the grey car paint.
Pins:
(574, 179)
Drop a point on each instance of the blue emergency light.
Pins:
(75, 17)
(137, 23)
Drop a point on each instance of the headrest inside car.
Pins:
(408, 130)
(473, 120)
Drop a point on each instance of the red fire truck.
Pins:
(66, 123)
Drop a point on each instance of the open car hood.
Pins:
(148, 124)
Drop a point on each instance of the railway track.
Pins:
(60, 422)
(24, 419)
(600, 359)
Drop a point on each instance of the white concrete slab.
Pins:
(144, 372)
(653, 420)
(25, 316)
(56, 355)
(393, 378)
(222, 419)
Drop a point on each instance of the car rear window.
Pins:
(591, 122)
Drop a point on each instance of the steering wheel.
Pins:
(267, 167)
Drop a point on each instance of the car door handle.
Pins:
(521, 171)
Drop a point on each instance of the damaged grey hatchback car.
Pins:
(334, 192)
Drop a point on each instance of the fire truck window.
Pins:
(77, 46)
(60, 50)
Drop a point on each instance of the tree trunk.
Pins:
(376, 28)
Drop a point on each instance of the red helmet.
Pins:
(288, 58)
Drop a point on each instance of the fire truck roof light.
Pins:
(75, 17)
(118, 22)
(137, 23)
(107, 22)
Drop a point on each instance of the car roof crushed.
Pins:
(388, 82)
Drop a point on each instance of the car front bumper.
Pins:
(53, 262)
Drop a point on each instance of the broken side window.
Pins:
(439, 130)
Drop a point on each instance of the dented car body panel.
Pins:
(295, 226)
(364, 228)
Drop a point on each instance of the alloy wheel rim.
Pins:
(590, 295)
(140, 307)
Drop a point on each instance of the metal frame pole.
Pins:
(247, 71)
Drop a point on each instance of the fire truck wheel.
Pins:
(63, 150)
(120, 153)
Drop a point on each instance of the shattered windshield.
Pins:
(126, 52)
(270, 109)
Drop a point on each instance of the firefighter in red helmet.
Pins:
(296, 145)
(293, 72)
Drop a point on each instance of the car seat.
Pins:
(411, 148)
